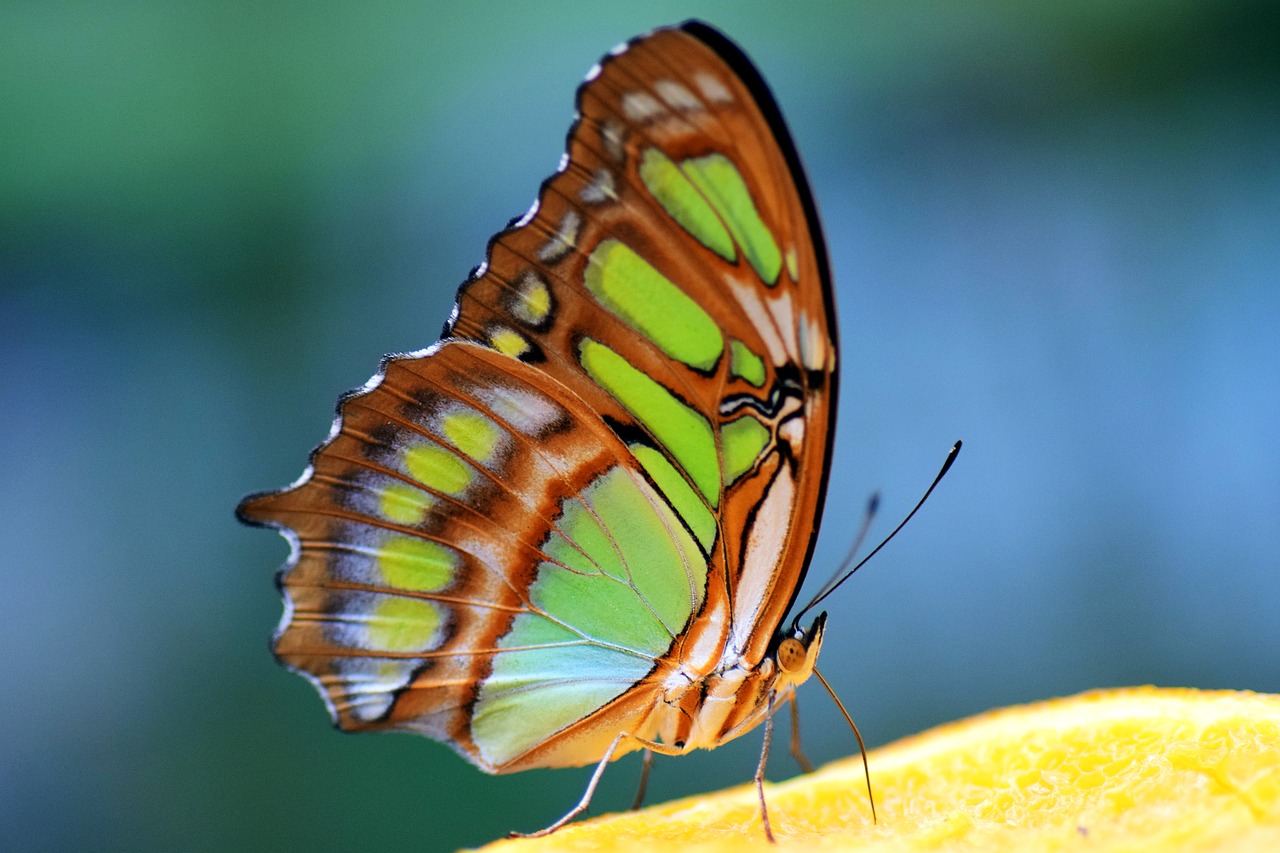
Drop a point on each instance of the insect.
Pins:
(573, 527)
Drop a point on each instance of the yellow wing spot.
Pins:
(533, 299)
(508, 341)
(404, 504)
(417, 565)
(402, 625)
(793, 264)
(437, 468)
(472, 433)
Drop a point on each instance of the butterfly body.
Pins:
(573, 527)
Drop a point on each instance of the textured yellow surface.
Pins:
(1132, 769)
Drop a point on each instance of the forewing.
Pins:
(681, 235)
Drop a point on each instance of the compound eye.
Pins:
(791, 655)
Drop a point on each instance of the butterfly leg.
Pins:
(759, 777)
(644, 780)
(796, 752)
(651, 746)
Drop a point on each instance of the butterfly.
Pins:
(573, 527)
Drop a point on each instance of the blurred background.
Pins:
(1055, 230)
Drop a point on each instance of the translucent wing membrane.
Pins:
(613, 464)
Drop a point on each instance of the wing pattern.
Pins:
(614, 459)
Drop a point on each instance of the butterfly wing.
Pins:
(682, 210)
(623, 435)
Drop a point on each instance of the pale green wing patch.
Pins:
(743, 441)
(746, 364)
(685, 204)
(650, 303)
(684, 500)
(622, 579)
(722, 184)
(554, 680)
(684, 432)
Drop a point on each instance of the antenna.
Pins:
(873, 506)
(832, 585)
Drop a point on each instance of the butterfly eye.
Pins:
(791, 655)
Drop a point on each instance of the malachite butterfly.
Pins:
(573, 526)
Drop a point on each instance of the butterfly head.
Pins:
(797, 653)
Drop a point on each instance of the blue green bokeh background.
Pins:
(1056, 234)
